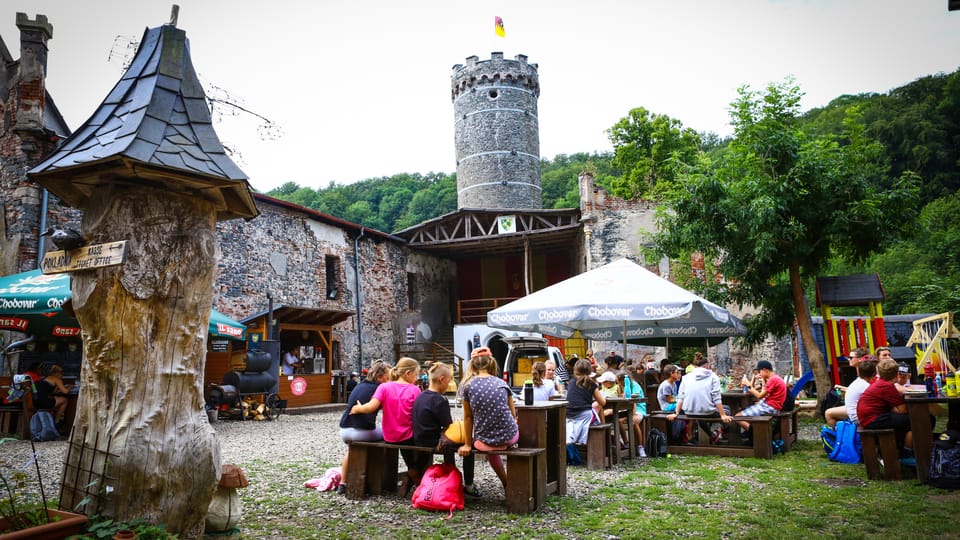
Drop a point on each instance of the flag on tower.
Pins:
(498, 27)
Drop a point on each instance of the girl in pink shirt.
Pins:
(396, 397)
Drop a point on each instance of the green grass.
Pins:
(797, 495)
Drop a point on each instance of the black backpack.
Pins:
(945, 461)
(656, 444)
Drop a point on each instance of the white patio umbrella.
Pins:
(620, 301)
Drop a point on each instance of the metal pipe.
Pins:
(42, 241)
(356, 273)
(269, 332)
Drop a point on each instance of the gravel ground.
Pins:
(311, 441)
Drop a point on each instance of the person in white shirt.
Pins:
(867, 371)
(841, 412)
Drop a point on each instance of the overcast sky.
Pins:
(361, 88)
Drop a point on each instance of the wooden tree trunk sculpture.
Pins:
(145, 328)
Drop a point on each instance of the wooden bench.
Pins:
(372, 470)
(760, 426)
(877, 444)
(600, 446)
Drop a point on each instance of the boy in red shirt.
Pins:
(771, 397)
(882, 407)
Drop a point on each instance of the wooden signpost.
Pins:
(84, 258)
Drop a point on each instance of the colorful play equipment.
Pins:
(929, 338)
(841, 335)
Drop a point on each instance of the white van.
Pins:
(522, 352)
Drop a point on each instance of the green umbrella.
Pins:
(32, 303)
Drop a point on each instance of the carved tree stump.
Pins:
(144, 343)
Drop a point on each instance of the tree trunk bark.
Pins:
(814, 356)
(142, 432)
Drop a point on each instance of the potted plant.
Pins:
(21, 517)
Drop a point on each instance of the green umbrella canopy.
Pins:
(32, 303)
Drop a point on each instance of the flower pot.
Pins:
(69, 523)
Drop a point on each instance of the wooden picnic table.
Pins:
(544, 425)
(920, 408)
(627, 406)
(737, 400)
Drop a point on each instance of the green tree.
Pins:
(644, 145)
(777, 204)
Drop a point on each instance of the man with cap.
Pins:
(613, 361)
(352, 382)
(903, 378)
(771, 396)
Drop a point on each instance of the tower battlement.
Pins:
(497, 70)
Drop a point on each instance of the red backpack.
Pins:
(441, 489)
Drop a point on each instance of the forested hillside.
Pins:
(917, 124)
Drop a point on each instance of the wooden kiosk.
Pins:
(308, 334)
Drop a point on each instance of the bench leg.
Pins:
(870, 457)
(762, 447)
(526, 483)
(891, 457)
(356, 471)
(599, 452)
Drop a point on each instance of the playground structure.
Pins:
(845, 334)
(930, 336)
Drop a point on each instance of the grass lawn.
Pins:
(797, 495)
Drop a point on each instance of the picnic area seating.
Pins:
(372, 470)
(15, 417)
(880, 444)
(600, 446)
(760, 426)
(787, 427)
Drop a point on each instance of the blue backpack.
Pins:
(42, 427)
(847, 447)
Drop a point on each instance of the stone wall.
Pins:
(285, 252)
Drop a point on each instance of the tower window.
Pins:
(412, 290)
(493, 94)
(332, 264)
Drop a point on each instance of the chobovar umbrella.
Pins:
(620, 301)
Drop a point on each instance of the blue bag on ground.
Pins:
(828, 436)
(848, 448)
(42, 427)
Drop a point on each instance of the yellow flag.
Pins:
(498, 27)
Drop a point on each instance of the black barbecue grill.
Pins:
(258, 378)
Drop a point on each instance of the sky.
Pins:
(359, 89)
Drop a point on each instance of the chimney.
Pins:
(34, 35)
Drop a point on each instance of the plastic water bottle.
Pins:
(939, 382)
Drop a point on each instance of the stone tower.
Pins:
(497, 134)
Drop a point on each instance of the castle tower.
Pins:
(497, 133)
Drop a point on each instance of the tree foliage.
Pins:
(644, 145)
(779, 202)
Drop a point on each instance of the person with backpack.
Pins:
(52, 393)
(834, 414)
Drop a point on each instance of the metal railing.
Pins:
(475, 310)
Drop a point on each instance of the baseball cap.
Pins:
(607, 376)
(764, 364)
(903, 368)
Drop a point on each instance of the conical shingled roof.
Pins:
(154, 127)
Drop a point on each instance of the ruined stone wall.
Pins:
(613, 227)
(497, 133)
(284, 252)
